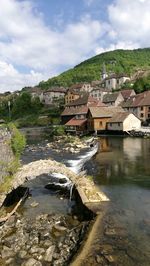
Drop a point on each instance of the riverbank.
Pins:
(65, 233)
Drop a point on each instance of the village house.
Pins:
(74, 117)
(81, 87)
(127, 93)
(139, 105)
(98, 92)
(37, 92)
(71, 96)
(124, 121)
(53, 94)
(115, 81)
(113, 99)
(98, 117)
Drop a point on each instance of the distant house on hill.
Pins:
(84, 87)
(36, 92)
(115, 81)
(71, 96)
(124, 121)
(84, 100)
(53, 94)
(127, 93)
(113, 99)
(99, 92)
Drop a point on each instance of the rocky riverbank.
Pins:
(49, 239)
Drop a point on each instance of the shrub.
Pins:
(18, 140)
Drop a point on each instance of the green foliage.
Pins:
(58, 130)
(118, 61)
(142, 84)
(18, 140)
(25, 105)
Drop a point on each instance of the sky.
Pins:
(40, 39)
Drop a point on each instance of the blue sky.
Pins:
(42, 38)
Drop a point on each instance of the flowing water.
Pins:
(122, 170)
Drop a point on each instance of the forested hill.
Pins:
(118, 61)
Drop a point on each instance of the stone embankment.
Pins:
(6, 155)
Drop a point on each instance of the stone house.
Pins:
(85, 87)
(53, 94)
(98, 92)
(113, 99)
(37, 92)
(139, 105)
(98, 117)
(115, 81)
(124, 121)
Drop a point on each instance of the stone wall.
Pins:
(6, 155)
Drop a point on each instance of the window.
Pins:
(148, 115)
(110, 124)
(149, 108)
(141, 108)
(119, 124)
(100, 123)
(117, 81)
(142, 115)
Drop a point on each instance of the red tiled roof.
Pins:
(126, 93)
(142, 99)
(75, 122)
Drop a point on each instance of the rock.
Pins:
(31, 262)
(22, 254)
(110, 258)
(49, 254)
(99, 259)
(7, 253)
(59, 228)
(34, 204)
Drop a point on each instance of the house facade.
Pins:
(98, 93)
(71, 96)
(113, 99)
(98, 117)
(115, 81)
(139, 105)
(124, 121)
(53, 94)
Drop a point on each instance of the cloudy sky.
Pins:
(42, 38)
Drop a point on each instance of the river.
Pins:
(122, 171)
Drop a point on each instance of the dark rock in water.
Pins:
(62, 180)
(63, 190)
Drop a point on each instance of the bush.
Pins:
(18, 140)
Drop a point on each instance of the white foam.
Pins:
(76, 165)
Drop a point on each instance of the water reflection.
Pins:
(122, 170)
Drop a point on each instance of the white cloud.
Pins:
(130, 20)
(11, 79)
(26, 40)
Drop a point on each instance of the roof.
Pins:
(111, 97)
(126, 93)
(75, 122)
(119, 117)
(99, 112)
(78, 85)
(56, 89)
(85, 99)
(141, 99)
(75, 111)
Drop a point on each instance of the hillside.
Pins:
(118, 61)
